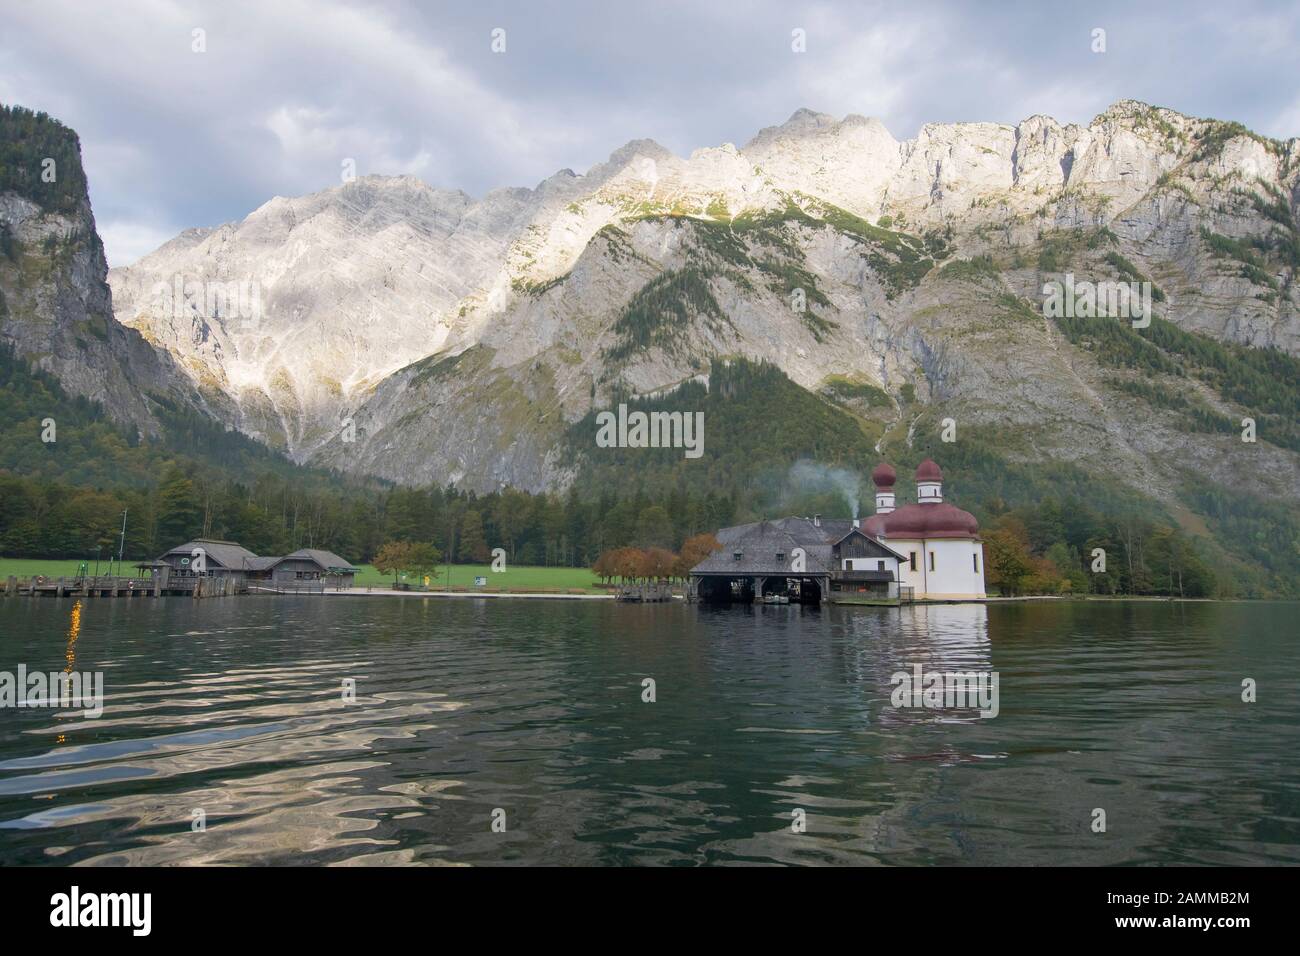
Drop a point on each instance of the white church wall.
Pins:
(954, 568)
(945, 567)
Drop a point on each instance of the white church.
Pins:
(942, 557)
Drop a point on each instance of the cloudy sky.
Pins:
(285, 91)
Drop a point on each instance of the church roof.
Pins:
(935, 520)
(929, 470)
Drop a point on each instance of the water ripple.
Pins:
(232, 712)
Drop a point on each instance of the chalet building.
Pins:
(227, 561)
(202, 557)
(304, 566)
(927, 550)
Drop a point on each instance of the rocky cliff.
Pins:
(465, 339)
(55, 305)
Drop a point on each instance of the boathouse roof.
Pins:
(328, 560)
(807, 531)
(226, 553)
(766, 548)
(235, 557)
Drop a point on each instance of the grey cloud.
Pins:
(287, 90)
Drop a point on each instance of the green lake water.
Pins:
(465, 707)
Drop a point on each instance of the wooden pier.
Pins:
(645, 592)
(120, 587)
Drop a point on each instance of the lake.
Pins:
(515, 732)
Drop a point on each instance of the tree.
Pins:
(657, 563)
(627, 563)
(694, 550)
(1006, 559)
(1181, 572)
(1045, 525)
(604, 567)
(413, 557)
(180, 513)
(472, 540)
(423, 559)
(654, 529)
(395, 556)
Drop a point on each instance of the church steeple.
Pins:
(929, 482)
(883, 477)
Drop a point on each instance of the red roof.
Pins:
(928, 471)
(935, 520)
(884, 476)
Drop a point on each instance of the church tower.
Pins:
(883, 477)
(929, 483)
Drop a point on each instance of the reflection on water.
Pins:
(236, 708)
(70, 654)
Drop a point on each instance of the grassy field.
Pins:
(461, 575)
(26, 567)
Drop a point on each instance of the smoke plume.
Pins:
(811, 477)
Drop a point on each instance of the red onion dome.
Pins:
(928, 471)
(937, 520)
(884, 476)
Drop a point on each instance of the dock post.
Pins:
(11, 586)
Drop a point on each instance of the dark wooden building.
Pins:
(804, 560)
(216, 561)
(308, 567)
(236, 568)
(866, 571)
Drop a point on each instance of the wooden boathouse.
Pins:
(802, 560)
(204, 567)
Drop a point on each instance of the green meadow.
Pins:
(462, 575)
(456, 575)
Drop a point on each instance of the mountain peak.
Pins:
(638, 147)
(804, 116)
(805, 123)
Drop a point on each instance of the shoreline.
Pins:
(1021, 598)
(389, 592)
